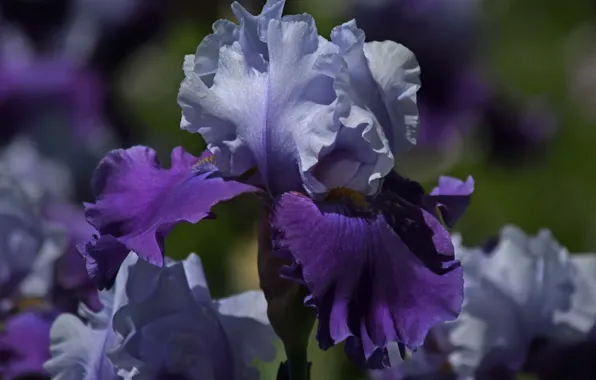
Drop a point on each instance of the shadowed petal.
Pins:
(368, 285)
(103, 257)
(171, 327)
(138, 201)
(387, 77)
(78, 349)
(452, 196)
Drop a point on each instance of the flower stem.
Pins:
(298, 365)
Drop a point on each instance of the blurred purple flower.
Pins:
(25, 344)
(162, 322)
(320, 123)
(72, 282)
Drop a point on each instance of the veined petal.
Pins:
(138, 202)
(368, 285)
(386, 76)
(278, 119)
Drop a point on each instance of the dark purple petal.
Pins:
(73, 284)
(452, 197)
(139, 202)
(411, 214)
(368, 284)
(103, 257)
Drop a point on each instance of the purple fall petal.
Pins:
(452, 197)
(367, 283)
(139, 202)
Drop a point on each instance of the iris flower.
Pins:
(526, 288)
(313, 127)
(162, 322)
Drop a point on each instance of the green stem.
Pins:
(298, 366)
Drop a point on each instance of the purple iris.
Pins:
(312, 126)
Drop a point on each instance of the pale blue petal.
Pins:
(79, 349)
(244, 319)
(171, 326)
(386, 77)
(278, 120)
(41, 279)
(512, 296)
(576, 322)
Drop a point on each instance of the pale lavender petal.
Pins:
(78, 348)
(529, 282)
(386, 77)
(277, 117)
(173, 327)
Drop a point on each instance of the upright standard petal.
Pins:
(138, 202)
(387, 77)
(370, 283)
(276, 116)
(78, 348)
(172, 327)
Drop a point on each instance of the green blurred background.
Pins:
(535, 47)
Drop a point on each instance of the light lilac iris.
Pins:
(313, 126)
(161, 323)
(526, 288)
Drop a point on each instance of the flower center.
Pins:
(344, 193)
(208, 159)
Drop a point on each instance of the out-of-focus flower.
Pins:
(456, 94)
(78, 348)
(25, 344)
(40, 177)
(162, 322)
(28, 245)
(526, 288)
(48, 185)
(581, 63)
(313, 126)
